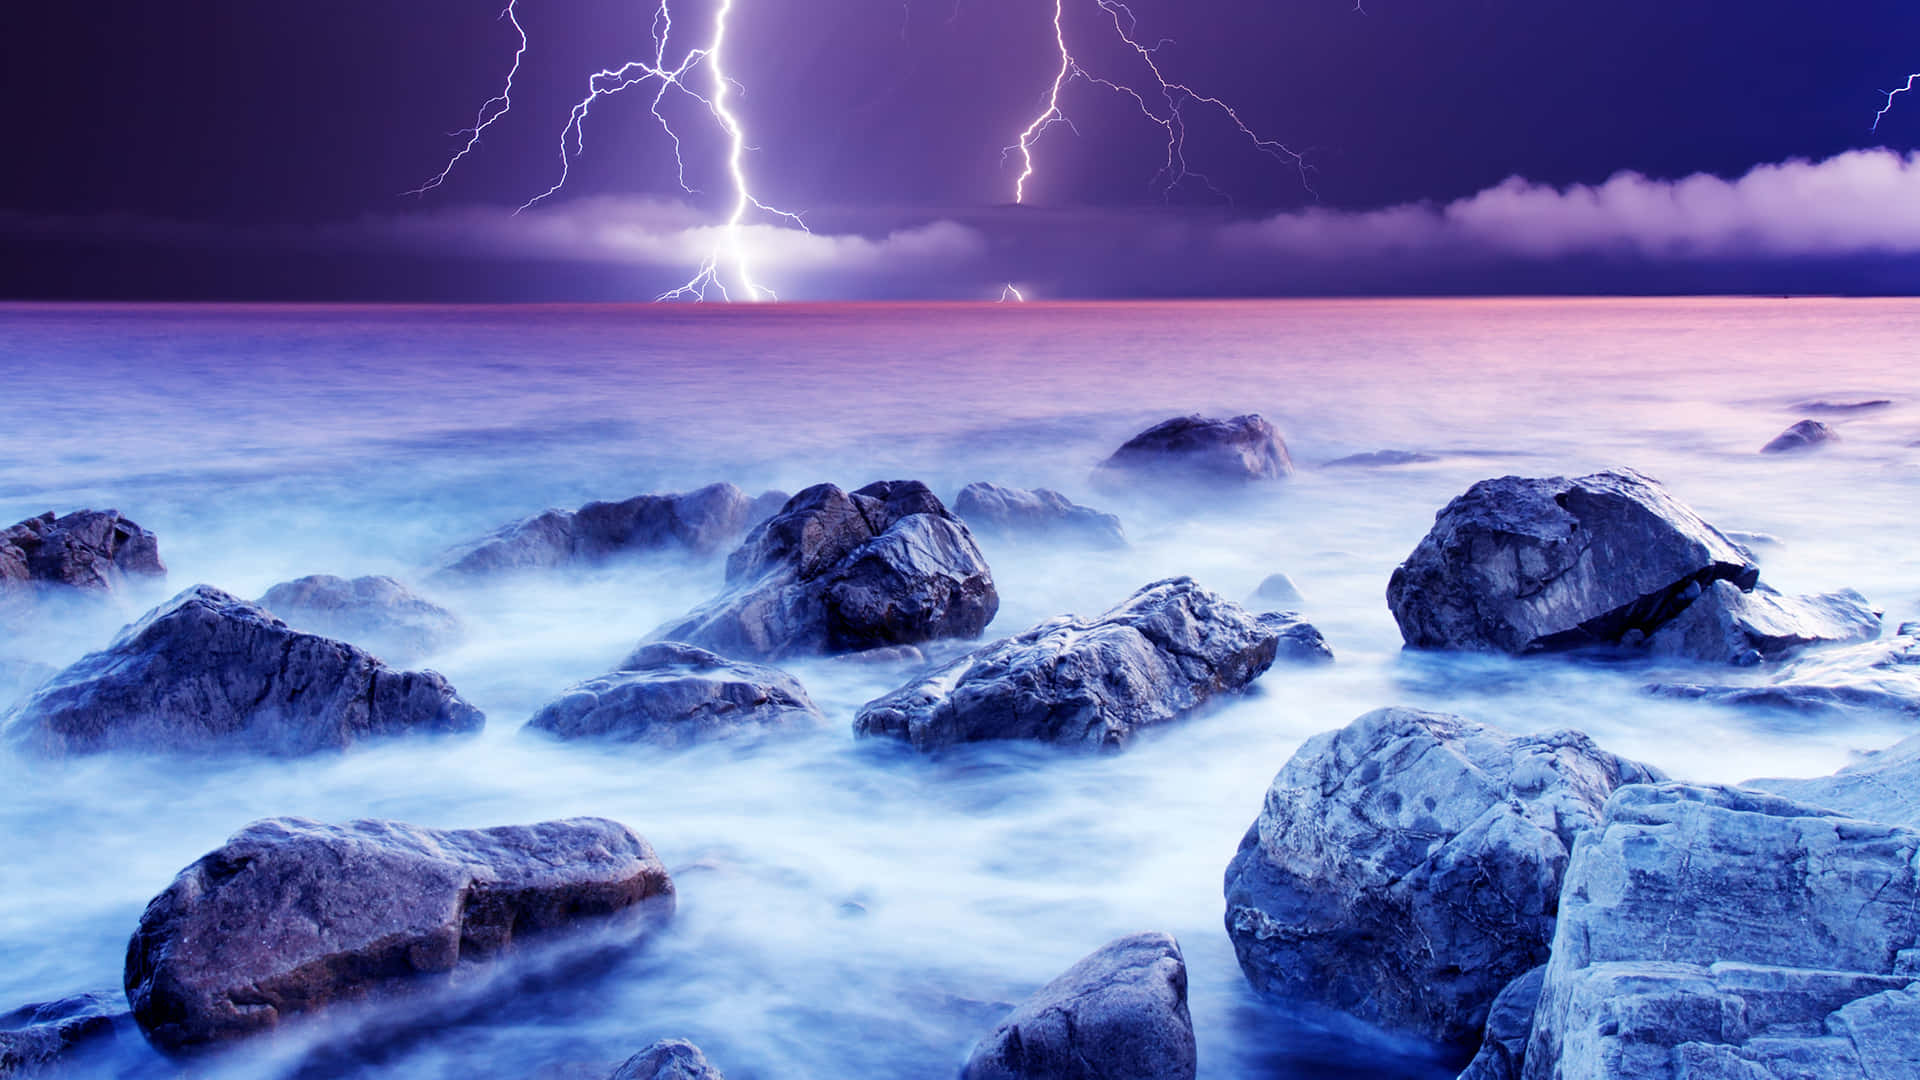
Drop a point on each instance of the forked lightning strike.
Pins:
(1891, 94)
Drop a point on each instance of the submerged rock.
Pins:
(1381, 459)
(1198, 449)
(1804, 435)
(671, 694)
(293, 916)
(1279, 590)
(36, 1037)
(1119, 1014)
(1503, 1048)
(92, 550)
(1715, 933)
(1843, 406)
(1406, 868)
(1165, 651)
(1521, 565)
(1725, 625)
(668, 1059)
(1881, 786)
(834, 572)
(1883, 674)
(209, 672)
(1014, 513)
(376, 613)
(701, 522)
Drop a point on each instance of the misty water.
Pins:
(850, 909)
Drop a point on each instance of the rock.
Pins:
(1013, 513)
(294, 916)
(701, 522)
(34, 1037)
(209, 672)
(1503, 1048)
(1726, 625)
(834, 573)
(1881, 786)
(376, 613)
(671, 694)
(1406, 868)
(1165, 651)
(1804, 435)
(1522, 565)
(1279, 590)
(1711, 933)
(1883, 674)
(92, 550)
(668, 1059)
(1842, 406)
(1381, 459)
(892, 654)
(1119, 1014)
(1191, 450)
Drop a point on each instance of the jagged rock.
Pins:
(87, 549)
(1280, 591)
(1712, 934)
(1196, 449)
(376, 613)
(1883, 674)
(209, 672)
(294, 916)
(668, 1059)
(1165, 651)
(1804, 435)
(1725, 625)
(1503, 1047)
(671, 694)
(1381, 459)
(1881, 786)
(834, 573)
(701, 522)
(34, 1037)
(1406, 868)
(1014, 513)
(1521, 565)
(1119, 1014)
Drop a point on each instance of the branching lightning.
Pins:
(1891, 94)
(488, 113)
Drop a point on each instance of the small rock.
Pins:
(907, 655)
(1280, 591)
(1197, 449)
(1804, 435)
(1119, 1014)
(668, 1059)
(88, 549)
(674, 695)
(701, 522)
(293, 916)
(1728, 626)
(376, 613)
(1842, 406)
(1381, 459)
(1882, 675)
(1013, 513)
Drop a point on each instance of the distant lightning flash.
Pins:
(1891, 94)
(488, 113)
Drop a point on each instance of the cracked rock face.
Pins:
(209, 672)
(89, 549)
(701, 522)
(668, 1059)
(1040, 514)
(1188, 450)
(670, 694)
(1717, 934)
(376, 613)
(1407, 867)
(1119, 1014)
(1170, 648)
(835, 572)
(1520, 565)
(294, 916)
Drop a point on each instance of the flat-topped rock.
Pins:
(1726, 625)
(375, 613)
(1877, 675)
(1119, 1014)
(1406, 868)
(1039, 514)
(835, 572)
(1521, 565)
(93, 550)
(209, 672)
(670, 694)
(1167, 650)
(701, 522)
(1803, 436)
(1201, 450)
(1382, 459)
(293, 916)
(1864, 405)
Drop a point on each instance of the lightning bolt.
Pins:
(488, 113)
(1891, 94)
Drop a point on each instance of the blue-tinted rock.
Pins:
(1199, 450)
(670, 694)
(1040, 514)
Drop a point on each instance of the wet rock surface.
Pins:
(1803, 436)
(701, 522)
(835, 572)
(1199, 450)
(670, 694)
(1710, 932)
(1877, 675)
(1726, 625)
(668, 1059)
(1503, 1048)
(209, 672)
(1119, 1014)
(1406, 868)
(376, 613)
(1167, 650)
(1522, 565)
(293, 916)
(92, 550)
(36, 1038)
(1039, 514)
(1881, 786)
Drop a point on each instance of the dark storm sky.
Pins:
(254, 148)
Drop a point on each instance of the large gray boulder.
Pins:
(1119, 1014)
(1876, 675)
(294, 916)
(40, 1037)
(1521, 565)
(835, 572)
(1167, 650)
(1040, 514)
(209, 672)
(671, 694)
(1189, 450)
(668, 1059)
(1726, 625)
(375, 613)
(1406, 868)
(1881, 786)
(1805, 435)
(92, 550)
(1716, 934)
(701, 522)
